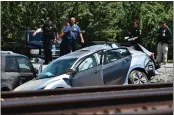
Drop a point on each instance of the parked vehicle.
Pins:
(31, 46)
(94, 66)
(16, 69)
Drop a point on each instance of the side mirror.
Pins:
(71, 72)
(36, 60)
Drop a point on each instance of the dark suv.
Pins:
(29, 45)
(16, 69)
(33, 44)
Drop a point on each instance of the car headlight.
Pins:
(34, 51)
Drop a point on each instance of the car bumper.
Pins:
(150, 70)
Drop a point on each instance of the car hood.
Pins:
(36, 84)
(35, 44)
(39, 44)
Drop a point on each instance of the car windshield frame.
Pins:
(51, 70)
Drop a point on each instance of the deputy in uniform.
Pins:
(49, 31)
(66, 36)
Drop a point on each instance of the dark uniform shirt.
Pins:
(49, 30)
(135, 32)
(49, 33)
(164, 35)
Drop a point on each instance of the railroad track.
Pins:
(23, 94)
(147, 100)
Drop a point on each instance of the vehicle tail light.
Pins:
(153, 55)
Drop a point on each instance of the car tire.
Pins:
(138, 77)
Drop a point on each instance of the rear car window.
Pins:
(10, 65)
(112, 55)
(24, 64)
(124, 52)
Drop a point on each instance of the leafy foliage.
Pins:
(101, 20)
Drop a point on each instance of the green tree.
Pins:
(103, 20)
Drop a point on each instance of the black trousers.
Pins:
(74, 44)
(47, 46)
(65, 46)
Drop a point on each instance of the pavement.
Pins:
(168, 65)
(166, 74)
(166, 69)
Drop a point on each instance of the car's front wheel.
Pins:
(138, 77)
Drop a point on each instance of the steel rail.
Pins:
(57, 103)
(22, 94)
(26, 99)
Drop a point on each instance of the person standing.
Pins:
(49, 31)
(66, 36)
(163, 39)
(135, 34)
(76, 32)
(135, 31)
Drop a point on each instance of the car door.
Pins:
(126, 61)
(112, 67)
(89, 71)
(12, 75)
(25, 68)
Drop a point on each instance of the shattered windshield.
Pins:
(56, 68)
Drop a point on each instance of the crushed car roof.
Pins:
(85, 51)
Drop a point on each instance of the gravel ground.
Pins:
(166, 74)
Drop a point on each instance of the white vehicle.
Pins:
(96, 65)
